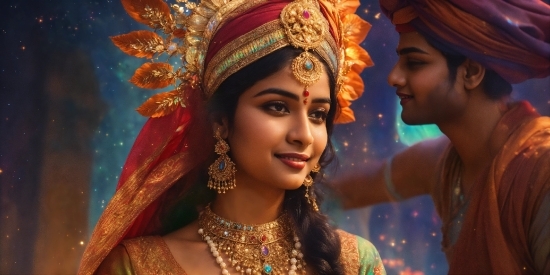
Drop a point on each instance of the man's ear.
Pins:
(473, 74)
(221, 126)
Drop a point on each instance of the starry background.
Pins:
(67, 122)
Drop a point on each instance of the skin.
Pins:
(460, 109)
(271, 121)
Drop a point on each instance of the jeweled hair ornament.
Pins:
(186, 29)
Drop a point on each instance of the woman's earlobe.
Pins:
(474, 75)
(222, 127)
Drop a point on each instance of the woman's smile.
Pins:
(293, 160)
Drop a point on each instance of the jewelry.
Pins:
(458, 200)
(305, 28)
(316, 168)
(252, 249)
(390, 188)
(186, 29)
(308, 182)
(222, 172)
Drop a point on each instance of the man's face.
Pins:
(423, 84)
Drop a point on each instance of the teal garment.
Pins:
(369, 259)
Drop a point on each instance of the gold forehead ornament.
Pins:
(184, 30)
(305, 28)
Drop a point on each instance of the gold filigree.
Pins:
(186, 28)
(161, 104)
(150, 255)
(221, 173)
(258, 248)
(140, 43)
(304, 24)
(305, 28)
(243, 51)
(154, 76)
(306, 68)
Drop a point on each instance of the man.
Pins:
(489, 176)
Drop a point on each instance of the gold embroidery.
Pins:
(150, 255)
(349, 257)
(127, 203)
(241, 52)
(249, 47)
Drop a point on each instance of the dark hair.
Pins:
(320, 242)
(494, 86)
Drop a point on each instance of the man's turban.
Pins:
(511, 37)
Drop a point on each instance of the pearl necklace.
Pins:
(252, 249)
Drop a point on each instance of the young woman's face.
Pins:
(421, 76)
(276, 138)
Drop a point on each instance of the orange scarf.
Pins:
(504, 200)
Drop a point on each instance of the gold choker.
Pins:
(270, 248)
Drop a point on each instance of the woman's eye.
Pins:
(319, 116)
(277, 107)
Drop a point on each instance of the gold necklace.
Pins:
(270, 248)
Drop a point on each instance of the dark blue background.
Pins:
(49, 44)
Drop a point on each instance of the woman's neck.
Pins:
(249, 206)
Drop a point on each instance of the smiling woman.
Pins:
(221, 178)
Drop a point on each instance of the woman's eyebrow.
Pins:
(278, 92)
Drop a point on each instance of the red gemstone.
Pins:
(252, 238)
(306, 14)
(306, 93)
(264, 238)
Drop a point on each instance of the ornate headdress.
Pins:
(212, 40)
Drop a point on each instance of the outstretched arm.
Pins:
(412, 173)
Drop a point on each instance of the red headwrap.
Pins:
(511, 37)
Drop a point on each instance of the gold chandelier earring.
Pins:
(308, 182)
(221, 173)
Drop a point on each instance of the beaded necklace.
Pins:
(253, 249)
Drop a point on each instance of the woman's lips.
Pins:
(404, 98)
(296, 161)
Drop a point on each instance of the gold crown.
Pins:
(186, 28)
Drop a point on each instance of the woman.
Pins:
(261, 77)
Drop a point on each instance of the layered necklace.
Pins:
(270, 248)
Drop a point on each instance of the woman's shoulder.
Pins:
(140, 255)
(359, 254)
